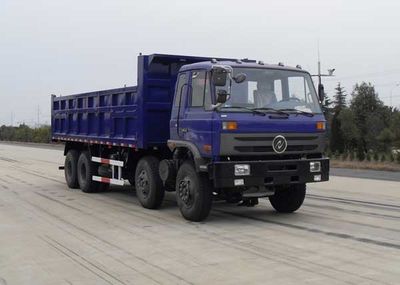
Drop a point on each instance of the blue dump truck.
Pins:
(206, 128)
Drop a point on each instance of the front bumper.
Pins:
(268, 173)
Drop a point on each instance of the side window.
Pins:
(179, 90)
(198, 88)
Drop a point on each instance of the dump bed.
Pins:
(132, 116)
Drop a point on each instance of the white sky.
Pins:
(69, 46)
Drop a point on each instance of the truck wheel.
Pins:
(288, 199)
(148, 183)
(193, 193)
(86, 169)
(70, 166)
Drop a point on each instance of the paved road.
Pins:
(347, 232)
(366, 173)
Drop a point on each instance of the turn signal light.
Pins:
(321, 126)
(230, 126)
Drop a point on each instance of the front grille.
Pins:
(261, 144)
(271, 157)
(270, 139)
(245, 149)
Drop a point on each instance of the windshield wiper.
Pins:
(278, 111)
(298, 112)
(254, 111)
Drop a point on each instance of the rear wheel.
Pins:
(86, 169)
(288, 199)
(193, 193)
(148, 183)
(70, 166)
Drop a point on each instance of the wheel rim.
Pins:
(185, 192)
(143, 183)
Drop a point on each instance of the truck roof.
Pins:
(238, 63)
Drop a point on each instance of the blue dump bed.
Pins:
(132, 116)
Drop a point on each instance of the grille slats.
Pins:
(261, 144)
(270, 149)
(270, 139)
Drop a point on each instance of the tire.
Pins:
(288, 199)
(85, 170)
(70, 166)
(193, 193)
(148, 183)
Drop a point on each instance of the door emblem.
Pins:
(279, 144)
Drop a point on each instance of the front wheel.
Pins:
(193, 193)
(288, 199)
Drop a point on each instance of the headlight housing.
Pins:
(242, 169)
(315, 166)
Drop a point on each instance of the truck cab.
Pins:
(255, 130)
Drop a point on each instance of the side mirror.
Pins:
(222, 96)
(321, 92)
(239, 78)
(219, 76)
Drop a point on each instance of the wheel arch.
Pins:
(74, 145)
(188, 150)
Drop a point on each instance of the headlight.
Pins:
(315, 166)
(242, 169)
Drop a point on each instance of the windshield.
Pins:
(272, 89)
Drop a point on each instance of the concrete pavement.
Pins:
(347, 232)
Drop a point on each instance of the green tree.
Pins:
(360, 154)
(24, 133)
(337, 140)
(395, 128)
(339, 101)
(386, 138)
(365, 105)
(327, 107)
(348, 129)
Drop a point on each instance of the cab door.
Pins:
(197, 119)
(179, 105)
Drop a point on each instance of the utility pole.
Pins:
(319, 68)
(330, 73)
